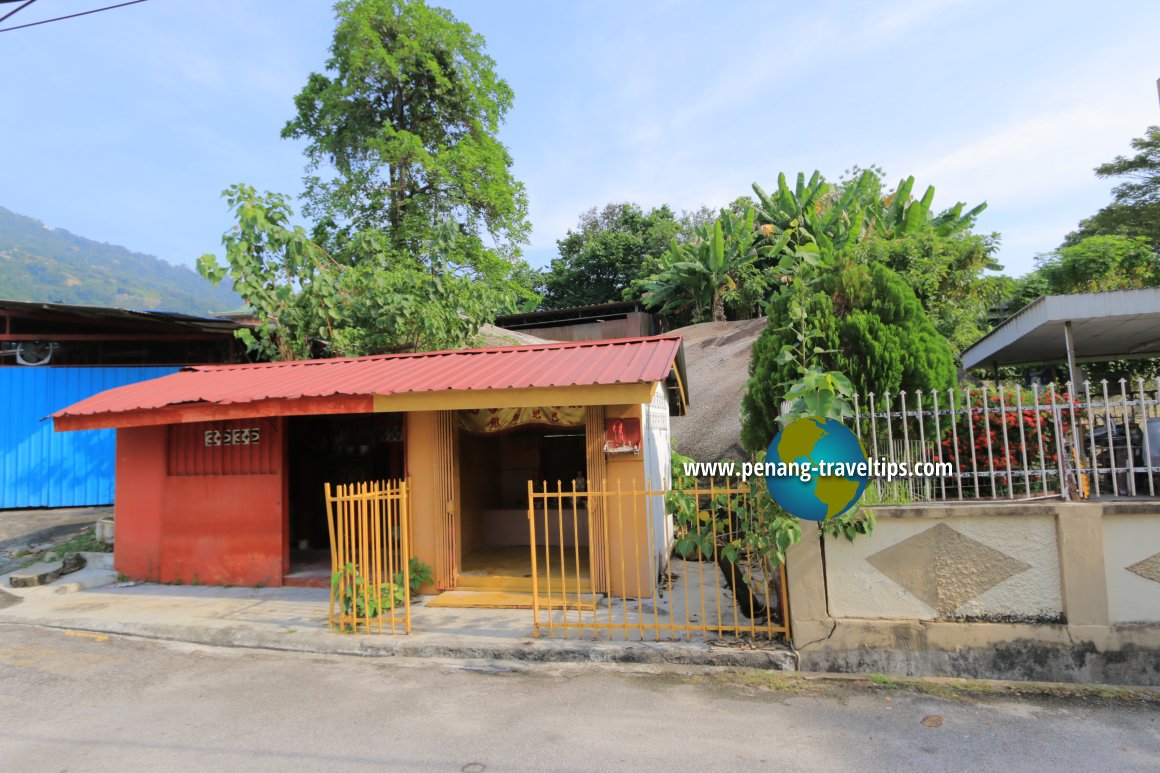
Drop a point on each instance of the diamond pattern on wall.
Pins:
(1149, 568)
(946, 568)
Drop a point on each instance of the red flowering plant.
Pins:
(1008, 437)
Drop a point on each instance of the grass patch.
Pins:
(961, 690)
(759, 680)
(82, 542)
(85, 542)
(972, 689)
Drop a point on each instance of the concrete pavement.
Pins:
(295, 619)
(97, 702)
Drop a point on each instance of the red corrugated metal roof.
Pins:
(572, 363)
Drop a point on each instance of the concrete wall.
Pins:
(1067, 592)
(194, 514)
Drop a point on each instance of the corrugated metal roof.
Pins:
(146, 318)
(572, 363)
(1105, 326)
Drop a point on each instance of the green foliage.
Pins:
(1135, 207)
(946, 273)
(808, 213)
(696, 277)
(849, 525)
(51, 265)
(358, 599)
(1099, 264)
(815, 212)
(405, 179)
(355, 597)
(303, 295)
(934, 252)
(694, 532)
(764, 529)
(401, 132)
(859, 320)
(407, 308)
(895, 492)
(277, 270)
(899, 214)
(602, 256)
(420, 572)
(85, 542)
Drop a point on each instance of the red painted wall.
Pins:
(202, 503)
(140, 477)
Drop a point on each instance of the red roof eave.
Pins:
(348, 385)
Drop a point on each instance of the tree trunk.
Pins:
(718, 307)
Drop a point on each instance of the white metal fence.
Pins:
(1013, 442)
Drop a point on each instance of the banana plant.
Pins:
(701, 274)
(900, 214)
(812, 213)
(792, 213)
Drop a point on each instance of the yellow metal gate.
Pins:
(370, 554)
(614, 561)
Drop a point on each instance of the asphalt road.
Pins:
(78, 703)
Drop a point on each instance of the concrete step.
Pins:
(47, 571)
(500, 599)
(522, 584)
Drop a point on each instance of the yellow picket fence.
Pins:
(615, 562)
(370, 553)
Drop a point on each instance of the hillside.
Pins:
(38, 263)
(717, 360)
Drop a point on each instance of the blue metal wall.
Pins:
(42, 468)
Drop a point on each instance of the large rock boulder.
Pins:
(717, 364)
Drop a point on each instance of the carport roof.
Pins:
(1105, 326)
(465, 378)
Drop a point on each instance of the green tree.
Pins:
(405, 179)
(1099, 264)
(605, 253)
(935, 252)
(309, 303)
(695, 279)
(863, 320)
(899, 214)
(278, 271)
(947, 275)
(401, 136)
(1135, 207)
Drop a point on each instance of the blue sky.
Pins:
(125, 126)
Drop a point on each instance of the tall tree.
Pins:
(417, 220)
(1135, 207)
(401, 134)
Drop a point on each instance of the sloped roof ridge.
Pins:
(438, 353)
